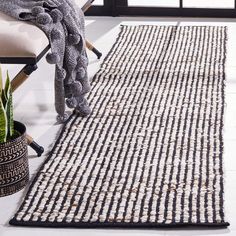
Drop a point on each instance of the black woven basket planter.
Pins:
(14, 168)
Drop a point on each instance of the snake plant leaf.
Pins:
(1, 86)
(2, 93)
(7, 86)
(3, 98)
(2, 90)
(3, 123)
(9, 107)
(3, 117)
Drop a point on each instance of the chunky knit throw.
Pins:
(63, 23)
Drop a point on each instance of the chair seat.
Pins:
(21, 39)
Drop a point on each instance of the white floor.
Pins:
(34, 106)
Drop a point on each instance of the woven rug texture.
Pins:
(150, 154)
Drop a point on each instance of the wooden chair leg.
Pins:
(87, 6)
(22, 76)
(93, 49)
(19, 79)
(38, 149)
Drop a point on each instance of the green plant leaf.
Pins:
(1, 85)
(7, 86)
(9, 107)
(3, 98)
(3, 123)
(2, 90)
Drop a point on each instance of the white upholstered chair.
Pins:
(24, 43)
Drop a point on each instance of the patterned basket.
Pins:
(14, 168)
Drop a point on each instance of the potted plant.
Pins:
(14, 169)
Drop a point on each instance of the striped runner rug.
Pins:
(150, 154)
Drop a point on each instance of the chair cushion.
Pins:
(22, 39)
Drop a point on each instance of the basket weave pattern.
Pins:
(14, 168)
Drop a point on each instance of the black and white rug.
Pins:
(150, 155)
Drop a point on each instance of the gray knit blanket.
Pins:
(63, 23)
